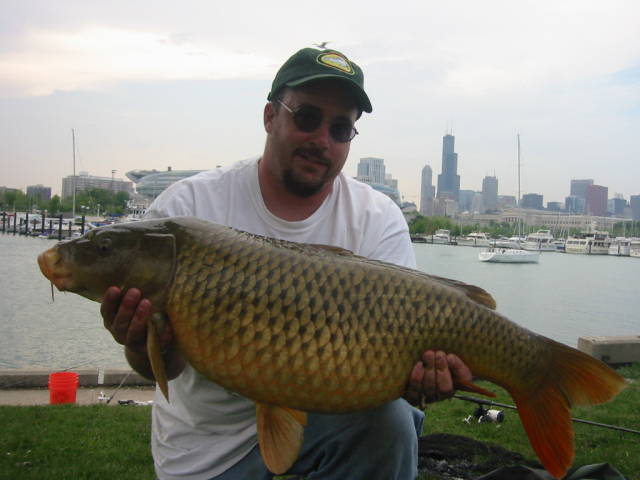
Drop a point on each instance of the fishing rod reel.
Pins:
(485, 415)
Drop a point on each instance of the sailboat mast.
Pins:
(73, 144)
(518, 170)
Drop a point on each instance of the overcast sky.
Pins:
(183, 84)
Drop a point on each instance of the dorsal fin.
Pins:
(475, 293)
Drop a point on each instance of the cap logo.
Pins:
(336, 61)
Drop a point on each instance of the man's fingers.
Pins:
(109, 305)
(443, 376)
(430, 379)
(136, 334)
(459, 370)
(413, 394)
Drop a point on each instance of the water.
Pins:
(563, 297)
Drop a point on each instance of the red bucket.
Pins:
(63, 387)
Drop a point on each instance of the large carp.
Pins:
(303, 328)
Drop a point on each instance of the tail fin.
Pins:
(573, 378)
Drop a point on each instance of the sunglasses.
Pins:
(308, 118)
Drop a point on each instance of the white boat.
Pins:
(542, 241)
(474, 239)
(511, 242)
(634, 248)
(442, 236)
(590, 243)
(508, 255)
(559, 245)
(620, 246)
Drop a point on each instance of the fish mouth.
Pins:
(49, 263)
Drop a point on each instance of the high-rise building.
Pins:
(427, 191)
(597, 200)
(507, 201)
(634, 202)
(554, 206)
(372, 169)
(579, 189)
(574, 204)
(372, 172)
(465, 200)
(449, 180)
(532, 200)
(39, 193)
(84, 182)
(490, 194)
(616, 206)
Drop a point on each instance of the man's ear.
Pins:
(268, 116)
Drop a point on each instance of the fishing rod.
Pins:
(482, 401)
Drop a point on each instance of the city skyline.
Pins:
(152, 87)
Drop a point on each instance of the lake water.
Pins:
(563, 297)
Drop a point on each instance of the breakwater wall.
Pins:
(90, 377)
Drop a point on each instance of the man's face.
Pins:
(306, 162)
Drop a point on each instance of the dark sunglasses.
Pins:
(308, 118)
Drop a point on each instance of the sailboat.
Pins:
(511, 255)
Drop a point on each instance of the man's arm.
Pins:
(126, 316)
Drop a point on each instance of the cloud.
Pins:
(94, 58)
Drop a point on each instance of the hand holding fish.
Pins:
(436, 378)
(126, 316)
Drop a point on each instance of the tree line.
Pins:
(95, 201)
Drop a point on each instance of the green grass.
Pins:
(593, 444)
(70, 442)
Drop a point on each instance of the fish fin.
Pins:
(155, 355)
(475, 293)
(573, 378)
(472, 387)
(335, 250)
(280, 434)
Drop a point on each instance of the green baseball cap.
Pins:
(312, 64)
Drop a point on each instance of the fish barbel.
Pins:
(302, 328)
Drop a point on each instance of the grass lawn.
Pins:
(98, 441)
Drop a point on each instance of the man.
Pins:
(294, 191)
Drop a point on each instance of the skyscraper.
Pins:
(490, 194)
(449, 180)
(597, 200)
(634, 203)
(427, 191)
(579, 189)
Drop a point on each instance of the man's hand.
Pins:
(436, 377)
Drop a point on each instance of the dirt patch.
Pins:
(450, 457)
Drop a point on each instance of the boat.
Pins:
(442, 236)
(542, 241)
(620, 246)
(559, 245)
(508, 255)
(511, 242)
(589, 243)
(474, 239)
(634, 248)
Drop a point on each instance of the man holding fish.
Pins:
(295, 191)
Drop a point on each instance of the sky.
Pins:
(183, 84)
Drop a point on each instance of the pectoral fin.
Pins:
(280, 434)
(156, 322)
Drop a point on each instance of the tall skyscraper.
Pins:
(490, 194)
(449, 180)
(427, 191)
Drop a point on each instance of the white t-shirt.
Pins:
(206, 429)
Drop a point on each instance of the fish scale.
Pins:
(317, 329)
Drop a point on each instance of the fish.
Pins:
(301, 328)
